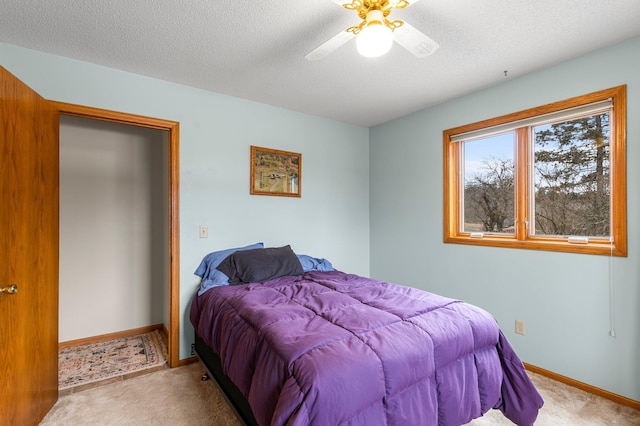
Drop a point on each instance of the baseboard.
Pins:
(111, 336)
(164, 329)
(585, 387)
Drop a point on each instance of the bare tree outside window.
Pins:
(489, 198)
(571, 177)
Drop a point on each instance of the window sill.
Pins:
(602, 248)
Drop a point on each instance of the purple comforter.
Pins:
(329, 348)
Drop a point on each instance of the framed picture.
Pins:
(275, 172)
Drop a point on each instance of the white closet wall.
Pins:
(113, 228)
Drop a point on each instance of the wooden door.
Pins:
(29, 163)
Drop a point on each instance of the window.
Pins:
(548, 178)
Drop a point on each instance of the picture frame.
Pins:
(275, 172)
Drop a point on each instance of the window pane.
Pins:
(571, 177)
(489, 187)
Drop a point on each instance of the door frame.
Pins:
(173, 129)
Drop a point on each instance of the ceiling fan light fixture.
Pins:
(375, 33)
(375, 39)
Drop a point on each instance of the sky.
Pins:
(500, 146)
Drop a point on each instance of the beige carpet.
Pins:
(173, 397)
(177, 397)
(566, 405)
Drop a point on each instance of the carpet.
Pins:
(101, 361)
(174, 396)
(177, 397)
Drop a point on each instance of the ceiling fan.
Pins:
(375, 34)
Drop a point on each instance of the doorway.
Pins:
(164, 136)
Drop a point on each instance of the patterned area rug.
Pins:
(101, 361)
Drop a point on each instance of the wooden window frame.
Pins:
(617, 246)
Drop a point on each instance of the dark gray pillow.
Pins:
(257, 265)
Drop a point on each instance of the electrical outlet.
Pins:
(520, 327)
(193, 349)
(204, 231)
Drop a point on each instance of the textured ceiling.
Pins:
(254, 49)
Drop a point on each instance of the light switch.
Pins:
(204, 231)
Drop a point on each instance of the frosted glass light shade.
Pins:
(374, 40)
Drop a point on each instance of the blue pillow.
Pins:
(210, 276)
(314, 264)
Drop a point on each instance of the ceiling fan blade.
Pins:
(329, 46)
(394, 3)
(414, 41)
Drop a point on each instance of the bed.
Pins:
(317, 346)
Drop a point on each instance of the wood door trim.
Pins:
(173, 129)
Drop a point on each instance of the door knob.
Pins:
(11, 289)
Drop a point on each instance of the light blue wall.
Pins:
(330, 220)
(563, 298)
